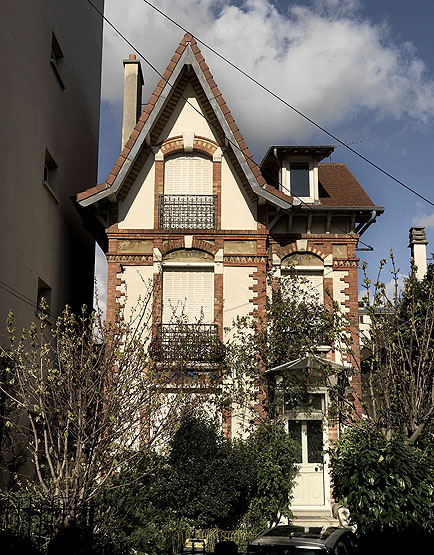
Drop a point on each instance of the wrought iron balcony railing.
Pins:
(187, 211)
(186, 343)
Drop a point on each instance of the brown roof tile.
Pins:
(115, 170)
(339, 187)
(278, 194)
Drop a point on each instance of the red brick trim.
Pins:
(218, 303)
(217, 189)
(157, 302)
(158, 188)
(227, 422)
(203, 145)
(206, 246)
(172, 145)
(178, 243)
(283, 252)
(114, 304)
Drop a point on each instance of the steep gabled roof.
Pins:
(157, 111)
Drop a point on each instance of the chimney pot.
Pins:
(133, 83)
(418, 245)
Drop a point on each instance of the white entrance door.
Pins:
(307, 427)
(310, 488)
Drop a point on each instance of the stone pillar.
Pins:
(418, 245)
(133, 83)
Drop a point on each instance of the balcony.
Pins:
(187, 343)
(187, 211)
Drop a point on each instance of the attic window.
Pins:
(299, 180)
(56, 59)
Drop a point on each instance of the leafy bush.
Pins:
(386, 484)
(14, 543)
(205, 481)
(273, 470)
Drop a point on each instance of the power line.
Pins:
(202, 115)
(269, 91)
(9, 289)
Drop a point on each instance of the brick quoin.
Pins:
(217, 189)
(114, 272)
(218, 303)
(159, 187)
(157, 302)
(227, 422)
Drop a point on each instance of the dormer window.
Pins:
(300, 182)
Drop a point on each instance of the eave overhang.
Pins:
(309, 361)
(319, 152)
(187, 58)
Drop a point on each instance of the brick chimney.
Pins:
(418, 245)
(133, 83)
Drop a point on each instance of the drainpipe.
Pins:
(418, 245)
(361, 228)
(133, 83)
(280, 184)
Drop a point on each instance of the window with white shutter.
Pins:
(186, 174)
(312, 283)
(188, 201)
(188, 293)
(308, 268)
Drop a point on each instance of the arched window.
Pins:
(188, 295)
(310, 269)
(188, 202)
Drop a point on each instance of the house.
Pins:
(50, 99)
(186, 206)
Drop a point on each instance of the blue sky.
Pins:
(363, 69)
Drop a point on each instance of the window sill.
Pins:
(48, 186)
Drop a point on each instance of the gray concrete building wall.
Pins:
(50, 71)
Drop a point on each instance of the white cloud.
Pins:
(395, 286)
(323, 58)
(390, 287)
(426, 221)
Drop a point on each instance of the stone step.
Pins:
(314, 518)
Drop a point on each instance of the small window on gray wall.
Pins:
(49, 175)
(56, 59)
(43, 301)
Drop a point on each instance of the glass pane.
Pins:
(294, 428)
(314, 441)
(310, 402)
(299, 179)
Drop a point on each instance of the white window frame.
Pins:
(313, 178)
(190, 189)
(186, 266)
(303, 272)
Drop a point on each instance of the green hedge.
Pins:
(386, 484)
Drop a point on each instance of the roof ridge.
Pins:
(188, 39)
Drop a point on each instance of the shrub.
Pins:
(386, 484)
